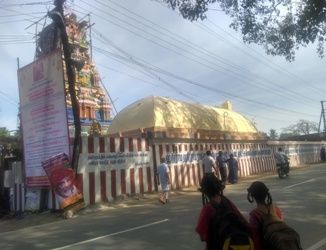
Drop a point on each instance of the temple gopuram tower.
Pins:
(94, 103)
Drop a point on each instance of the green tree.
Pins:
(273, 134)
(280, 26)
(4, 132)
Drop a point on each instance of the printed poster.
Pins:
(43, 115)
(62, 180)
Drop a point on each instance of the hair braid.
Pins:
(269, 199)
(259, 192)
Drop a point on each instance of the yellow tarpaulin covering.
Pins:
(160, 112)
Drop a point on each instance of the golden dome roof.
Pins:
(160, 114)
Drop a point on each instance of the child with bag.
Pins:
(266, 220)
(220, 223)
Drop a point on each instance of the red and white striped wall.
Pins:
(300, 153)
(104, 182)
(189, 173)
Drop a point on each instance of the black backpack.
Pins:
(228, 230)
(278, 235)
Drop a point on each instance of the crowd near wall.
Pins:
(110, 167)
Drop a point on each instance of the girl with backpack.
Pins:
(220, 223)
(266, 220)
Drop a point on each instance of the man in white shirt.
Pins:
(209, 163)
(164, 178)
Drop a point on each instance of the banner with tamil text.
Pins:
(43, 115)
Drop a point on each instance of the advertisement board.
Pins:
(43, 115)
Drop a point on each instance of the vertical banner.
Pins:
(63, 180)
(43, 115)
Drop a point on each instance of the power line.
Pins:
(262, 57)
(187, 42)
(159, 39)
(153, 75)
(8, 98)
(108, 94)
(17, 21)
(23, 14)
(151, 83)
(262, 117)
(156, 69)
(284, 88)
(174, 86)
(172, 35)
(226, 71)
(135, 77)
(15, 43)
(29, 4)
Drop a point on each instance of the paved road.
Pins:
(150, 225)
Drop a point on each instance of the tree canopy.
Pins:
(302, 127)
(4, 132)
(280, 26)
(273, 134)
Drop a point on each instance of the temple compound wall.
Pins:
(110, 167)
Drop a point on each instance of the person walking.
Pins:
(164, 178)
(323, 154)
(233, 169)
(209, 166)
(222, 166)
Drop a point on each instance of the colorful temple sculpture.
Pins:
(94, 104)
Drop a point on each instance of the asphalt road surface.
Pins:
(151, 225)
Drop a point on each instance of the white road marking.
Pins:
(287, 187)
(109, 235)
(318, 245)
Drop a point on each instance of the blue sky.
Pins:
(143, 48)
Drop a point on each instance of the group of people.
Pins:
(219, 206)
(226, 168)
(258, 193)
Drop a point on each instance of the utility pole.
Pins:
(322, 118)
(58, 17)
